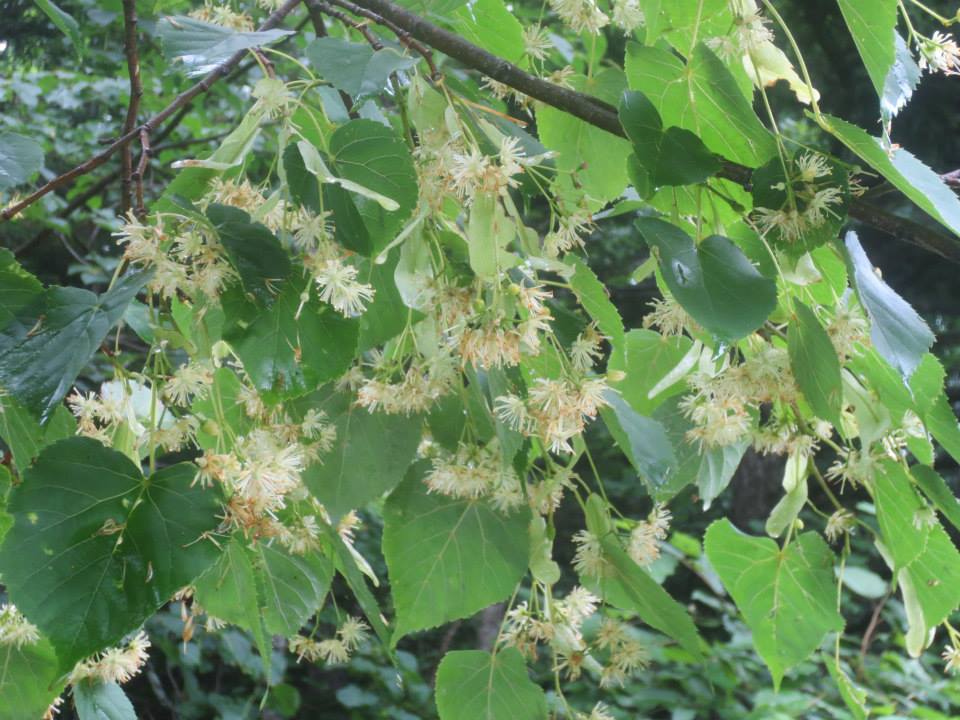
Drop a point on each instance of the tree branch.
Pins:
(604, 116)
(133, 106)
(179, 102)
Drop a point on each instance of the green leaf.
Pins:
(64, 23)
(284, 355)
(711, 469)
(854, 696)
(814, 363)
(863, 582)
(703, 98)
(355, 68)
(936, 490)
(356, 581)
(901, 81)
(387, 316)
(489, 24)
(910, 176)
(448, 558)
(191, 183)
(475, 685)
(20, 157)
(63, 562)
(597, 157)
(595, 299)
(293, 587)
(489, 231)
(255, 252)
(788, 508)
(665, 157)
(29, 680)
(630, 587)
(351, 475)
(102, 701)
(25, 436)
(648, 358)
(229, 591)
(898, 333)
(201, 46)
(787, 596)
(44, 349)
(897, 506)
(374, 157)
(713, 281)
(18, 288)
(642, 439)
(930, 587)
(872, 24)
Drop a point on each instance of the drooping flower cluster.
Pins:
(475, 471)
(15, 629)
(335, 650)
(555, 411)
(646, 536)
(407, 387)
(132, 407)
(117, 664)
(811, 200)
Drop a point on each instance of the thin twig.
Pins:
(871, 630)
(133, 106)
(182, 99)
(141, 171)
(320, 29)
(360, 27)
(403, 36)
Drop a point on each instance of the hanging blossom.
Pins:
(350, 636)
(424, 381)
(940, 54)
(627, 15)
(841, 523)
(811, 204)
(626, 654)
(580, 15)
(951, 659)
(339, 288)
(223, 15)
(536, 42)
(645, 539)
(15, 629)
(556, 411)
(474, 172)
(116, 664)
(475, 471)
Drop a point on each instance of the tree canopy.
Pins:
(538, 360)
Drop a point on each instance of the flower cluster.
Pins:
(116, 664)
(811, 200)
(335, 650)
(646, 536)
(475, 471)
(556, 411)
(407, 387)
(131, 406)
(581, 15)
(939, 53)
(15, 629)
(187, 258)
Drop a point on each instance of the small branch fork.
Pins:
(420, 35)
(150, 124)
